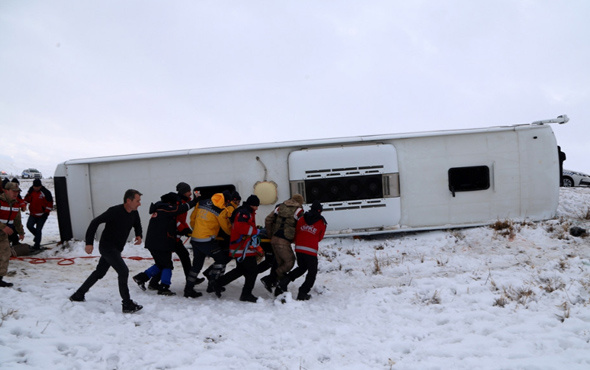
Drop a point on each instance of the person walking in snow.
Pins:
(183, 191)
(280, 227)
(118, 220)
(161, 238)
(309, 232)
(244, 248)
(206, 221)
(220, 255)
(40, 203)
(10, 223)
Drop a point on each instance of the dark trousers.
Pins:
(109, 258)
(202, 250)
(35, 225)
(305, 263)
(246, 267)
(184, 256)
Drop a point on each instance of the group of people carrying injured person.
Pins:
(219, 228)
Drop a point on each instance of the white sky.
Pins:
(81, 79)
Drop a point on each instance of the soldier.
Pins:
(10, 224)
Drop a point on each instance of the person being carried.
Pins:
(10, 223)
(280, 227)
(118, 220)
(244, 248)
(309, 232)
(161, 238)
(40, 203)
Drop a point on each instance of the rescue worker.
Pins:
(40, 203)
(309, 232)
(10, 223)
(244, 248)
(206, 221)
(161, 238)
(220, 255)
(280, 227)
(183, 191)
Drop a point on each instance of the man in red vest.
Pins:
(10, 223)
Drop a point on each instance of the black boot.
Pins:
(4, 284)
(303, 296)
(165, 290)
(77, 297)
(192, 294)
(154, 284)
(268, 283)
(282, 285)
(248, 298)
(131, 307)
(141, 279)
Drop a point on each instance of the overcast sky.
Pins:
(84, 79)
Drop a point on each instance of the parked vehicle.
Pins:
(3, 175)
(367, 184)
(575, 178)
(31, 173)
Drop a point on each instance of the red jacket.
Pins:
(10, 216)
(40, 202)
(182, 227)
(307, 237)
(243, 228)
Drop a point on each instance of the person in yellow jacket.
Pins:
(220, 255)
(206, 221)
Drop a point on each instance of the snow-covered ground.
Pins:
(480, 298)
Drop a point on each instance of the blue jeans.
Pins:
(35, 225)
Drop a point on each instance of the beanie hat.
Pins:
(235, 196)
(36, 182)
(11, 186)
(298, 198)
(183, 188)
(253, 201)
(226, 195)
(18, 182)
(317, 206)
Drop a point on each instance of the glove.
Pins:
(185, 232)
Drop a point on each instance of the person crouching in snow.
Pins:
(309, 232)
(161, 238)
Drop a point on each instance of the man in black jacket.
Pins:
(118, 222)
(161, 238)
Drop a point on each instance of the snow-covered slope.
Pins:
(512, 296)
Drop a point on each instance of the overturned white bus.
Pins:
(367, 184)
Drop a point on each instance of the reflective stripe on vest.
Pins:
(299, 248)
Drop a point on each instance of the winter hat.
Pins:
(253, 201)
(226, 195)
(170, 198)
(16, 180)
(36, 182)
(183, 188)
(317, 206)
(298, 198)
(11, 186)
(235, 196)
